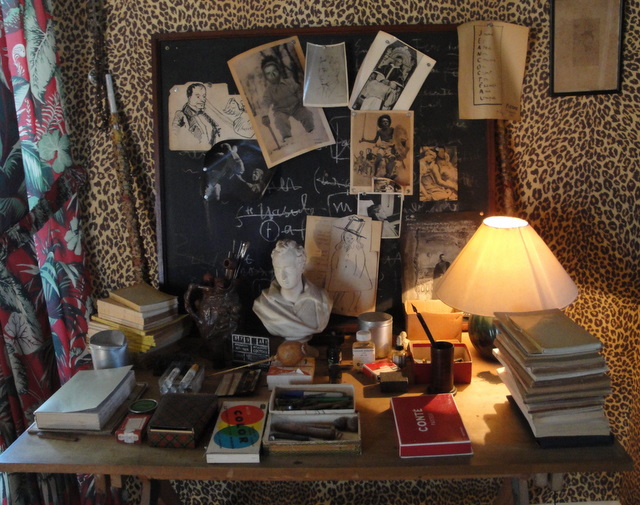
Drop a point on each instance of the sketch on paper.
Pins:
(342, 256)
(325, 76)
(202, 114)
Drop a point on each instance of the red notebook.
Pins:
(429, 425)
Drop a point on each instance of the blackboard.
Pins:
(194, 239)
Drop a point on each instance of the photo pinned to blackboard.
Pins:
(325, 76)
(390, 76)
(234, 170)
(438, 173)
(383, 207)
(381, 147)
(202, 114)
(430, 242)
(270, 80)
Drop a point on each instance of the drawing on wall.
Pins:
(202, 114)
(430, 243)
(438, 173)
(234, 170)
(381, 147)
(270, 80)
(325, 76)
(390, 76)
(383, 207)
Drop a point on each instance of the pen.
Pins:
(308, 394)
(167, 384)
(186, 381)
(424, 325)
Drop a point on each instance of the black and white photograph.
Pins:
(325, 76)
(430, 243)
(383, 207)
(381, 148)
(390, 76)
(270, 79)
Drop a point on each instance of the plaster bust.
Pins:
(292, 307)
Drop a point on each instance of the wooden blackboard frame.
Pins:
(221, 46)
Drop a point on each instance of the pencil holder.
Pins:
(441, 368)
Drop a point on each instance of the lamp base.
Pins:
(482, 333)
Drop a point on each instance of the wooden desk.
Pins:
(502, 445)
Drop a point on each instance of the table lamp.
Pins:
(505, 267)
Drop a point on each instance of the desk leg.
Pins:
(514, 491)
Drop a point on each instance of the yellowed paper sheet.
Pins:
(342, 257)
(492, 58)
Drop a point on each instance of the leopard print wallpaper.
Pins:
(571, 165)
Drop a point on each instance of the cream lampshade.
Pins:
(505, 267)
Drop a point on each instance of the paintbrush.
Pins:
(424, 326)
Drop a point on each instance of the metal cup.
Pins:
(109, 349)
(441, 368)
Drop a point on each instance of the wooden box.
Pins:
(292, 431)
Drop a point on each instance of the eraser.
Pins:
(393, 382)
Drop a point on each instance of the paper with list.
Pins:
(492, 58)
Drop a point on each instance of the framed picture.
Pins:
(586, 46)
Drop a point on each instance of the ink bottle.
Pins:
(364, 350)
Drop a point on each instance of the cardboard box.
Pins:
(301, 373)
(442, 320)
(283, 425)
(421, 352)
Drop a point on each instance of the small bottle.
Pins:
(364, 350)
(399, 355)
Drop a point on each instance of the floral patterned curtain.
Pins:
(44, 286)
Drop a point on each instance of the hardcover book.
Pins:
(109, 308)
(237, 435)
(180, 419)
(144, 298)
(548, 332)
(87, 400)
(429, 425)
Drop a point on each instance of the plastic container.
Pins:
(380, 324)
(109, 349)
(363, 349)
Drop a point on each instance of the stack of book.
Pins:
(556, 375)
(148, 317)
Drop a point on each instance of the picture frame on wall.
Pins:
(586, 46)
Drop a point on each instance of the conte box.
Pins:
(421, 352)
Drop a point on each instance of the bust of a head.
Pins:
(292, 307)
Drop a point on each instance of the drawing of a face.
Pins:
(272, 73)
(325, 74)
(198, 98)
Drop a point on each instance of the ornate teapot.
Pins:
(215, 308)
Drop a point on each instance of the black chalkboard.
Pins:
(194, 238)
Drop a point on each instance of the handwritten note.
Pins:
(491, 69)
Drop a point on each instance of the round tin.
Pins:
(143, 406)
(380, 324)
